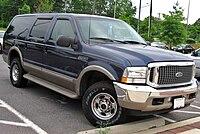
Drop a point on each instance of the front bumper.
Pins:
(139, 97)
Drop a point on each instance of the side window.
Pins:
(62, 27)
(20, 26)
(40, 28)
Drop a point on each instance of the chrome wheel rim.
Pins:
(15, 72)
(104, 106)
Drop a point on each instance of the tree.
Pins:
(173, 31)
(24, 10)
(125, 10)
(8, 9)
(194, 30)
(155, 28)
(58, 6)
(197, 23)
(78, 6)
(98, 5)
(44, 6)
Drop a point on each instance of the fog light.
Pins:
(192, 96)
(158, 101)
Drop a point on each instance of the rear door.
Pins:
(35, 44)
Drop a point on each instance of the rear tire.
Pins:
(16, 74)
(100, 105)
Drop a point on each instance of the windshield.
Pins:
(1, 34)
(108, 30)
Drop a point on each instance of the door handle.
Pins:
(45, 50)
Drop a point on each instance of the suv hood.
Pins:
(141, 55)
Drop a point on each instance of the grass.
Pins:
(104, 129)
(3, 29)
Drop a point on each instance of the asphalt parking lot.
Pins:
(35, 109)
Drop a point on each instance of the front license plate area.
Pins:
(179, 103)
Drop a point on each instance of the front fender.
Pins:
(105, 69)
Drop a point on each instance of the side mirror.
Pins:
(75, 46)
(65, 41)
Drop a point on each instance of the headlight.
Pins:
(134, 75)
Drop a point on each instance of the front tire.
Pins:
(100, 105)
(16, 74)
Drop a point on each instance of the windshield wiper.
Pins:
(101, 38)
(134, 42)
(123, 42)
(108, 39)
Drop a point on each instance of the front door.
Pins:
(61, 63)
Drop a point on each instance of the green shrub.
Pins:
(3, 29)
(190, 41)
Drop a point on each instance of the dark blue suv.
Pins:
(100, 60)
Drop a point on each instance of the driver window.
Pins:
(62, 28)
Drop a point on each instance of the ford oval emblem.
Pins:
(179, 74)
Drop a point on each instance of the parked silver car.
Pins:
(1, 41)
(159, 45)
(195, 55)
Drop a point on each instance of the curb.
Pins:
(170, 126)
(129, 128)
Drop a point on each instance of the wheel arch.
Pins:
(14, 52)
(96, 73)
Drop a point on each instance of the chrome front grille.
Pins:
(170, 74)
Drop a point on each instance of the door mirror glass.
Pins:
(65, 41)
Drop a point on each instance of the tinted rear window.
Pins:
(20, 26)
(40, 28)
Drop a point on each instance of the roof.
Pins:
(68, 14)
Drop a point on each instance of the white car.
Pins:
(159, 45)
(196, 57)
(1, 41)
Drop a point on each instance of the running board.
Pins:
(51, 86)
